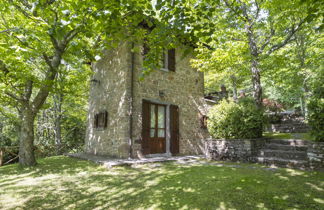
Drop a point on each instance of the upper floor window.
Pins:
(167, 59)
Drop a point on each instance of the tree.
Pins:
(264, 26)
(296, 67)
(226, 64)
(43, 35)
(61, 123)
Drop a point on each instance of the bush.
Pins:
(316, 115)
(235, 120)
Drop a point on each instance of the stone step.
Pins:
(289, 121)
(274, 146)
(291, 142)
(289, 128)
(289, 131)
(293, 155)
(298, 121)
(292, 129)
(282, 162)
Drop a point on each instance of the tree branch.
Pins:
(267, 40)
(44, 90)
(258, 9)
(47, 60)
(235, 10)
(28, 90)
(70, 35)
(14, 96)
(23, 43)
(20, 9)
(54, 41)
(288, 38)
(7, 30)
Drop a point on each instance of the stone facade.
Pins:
(108, 92)
(184, 88)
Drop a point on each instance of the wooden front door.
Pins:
(154, 128)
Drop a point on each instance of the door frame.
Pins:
(167, 128)
(156, 138)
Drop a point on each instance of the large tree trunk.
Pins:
(255, 71)
(26, 144)
(254, 50)
(58, 115)
(256, 82)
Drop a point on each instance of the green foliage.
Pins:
(316, 114)
(226, 64)
(222, 120)
(72, 126)
(70, 94)
(232, 36)
(235, 120)
(289, 72)
(9, 131)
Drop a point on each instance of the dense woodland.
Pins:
(270, 49)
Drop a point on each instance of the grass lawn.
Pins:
(66, 183)
(303, 136)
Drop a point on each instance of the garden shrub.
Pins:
(273, 109)
(235, 120)
(316, 114)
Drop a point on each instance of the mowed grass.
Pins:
(303, 136)
(66, 183)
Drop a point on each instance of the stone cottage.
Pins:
(163, 114)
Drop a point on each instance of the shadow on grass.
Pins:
(65, 183)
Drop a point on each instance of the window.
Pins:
(101, 120)
(167, 59)
(157, 121)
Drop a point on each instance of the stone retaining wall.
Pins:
(315, 154)
(250, 150)
(235, 149)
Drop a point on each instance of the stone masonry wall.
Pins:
(109, 94)
(234, 150)
(184, 88)
(249, 150)
(315, 154)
